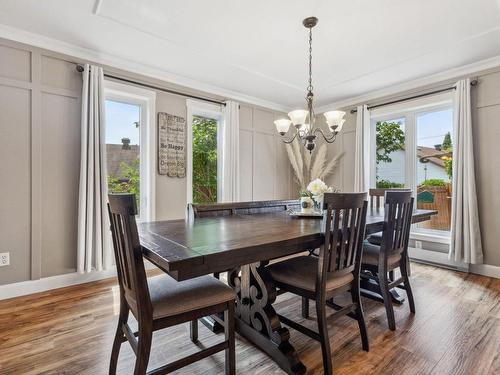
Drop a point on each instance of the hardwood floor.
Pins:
(456, 330)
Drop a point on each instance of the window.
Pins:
(390, 155)
(205, 161)
(130, 144)
(434, 166)
(204, 166)
(412, 148)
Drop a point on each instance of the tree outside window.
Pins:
(204, 160)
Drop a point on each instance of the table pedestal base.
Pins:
(256, 318)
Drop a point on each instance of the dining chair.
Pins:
(160, 302)
(377, 199)
(335, 271)
(392, 252)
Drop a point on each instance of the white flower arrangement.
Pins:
(317, 188)
(315, 191)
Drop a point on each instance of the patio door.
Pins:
(413, 148)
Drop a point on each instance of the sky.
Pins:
(120, 118)
(433, 126)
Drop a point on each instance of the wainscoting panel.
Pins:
(60, 161)
(15, 180)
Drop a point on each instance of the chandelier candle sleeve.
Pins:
(303, 119)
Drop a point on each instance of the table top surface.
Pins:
(194, 247)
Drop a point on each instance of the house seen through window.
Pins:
(123, 148)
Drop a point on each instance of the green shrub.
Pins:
(433, 182)
(385, 184)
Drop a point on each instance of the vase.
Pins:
(318, 203)
(306, 205)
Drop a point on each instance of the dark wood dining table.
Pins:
(243, 245)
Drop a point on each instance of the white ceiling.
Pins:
(259, 47)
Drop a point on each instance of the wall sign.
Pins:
(171, 145)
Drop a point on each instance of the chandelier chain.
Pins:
(310, 87)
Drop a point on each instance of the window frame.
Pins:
(146, 100)
(213, 111)
(410, 111)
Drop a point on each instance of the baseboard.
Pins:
(436, 258)
(54, 282)
(485, 270)
(441, 259)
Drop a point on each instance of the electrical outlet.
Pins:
(418, 244)
(4, 259)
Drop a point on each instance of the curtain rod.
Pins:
(80, 69)
(472, 83)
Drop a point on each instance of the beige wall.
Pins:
(39, 112)
(40, 153)
(486, 131)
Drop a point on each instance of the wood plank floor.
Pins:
(456, 330)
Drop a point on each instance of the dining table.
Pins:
(243, 245)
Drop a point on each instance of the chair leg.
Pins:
(144, 349)
(230, 364)
(117, 342)
(324, 338)
(384, 288)
(193, 330)
(406, 281)
(356, 298)
(305, 307)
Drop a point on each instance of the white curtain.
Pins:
(362, 150)
(93, 227)
(465, 232)
(231, 153)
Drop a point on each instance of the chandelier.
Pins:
(303, 119)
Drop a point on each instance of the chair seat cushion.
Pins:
(300, 272)
(170, 297)
(375, 239)
(371, 253)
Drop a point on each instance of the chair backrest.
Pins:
(398, 211)
(129, 262)
(241, 208)
(377, 194)
(344, 220)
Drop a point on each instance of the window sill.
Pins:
(437, 237)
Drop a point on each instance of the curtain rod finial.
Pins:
(79, 68)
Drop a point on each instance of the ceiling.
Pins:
(259, 47)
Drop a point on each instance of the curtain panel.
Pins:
(93, 223)
(362, 150)
(465, 231)
(231, 152)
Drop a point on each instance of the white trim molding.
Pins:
(485, 270)
(441, 260)
(199, 108)
(447, 75)
(146, 99)
(24, 288)
(54, 282)
(103, 58)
